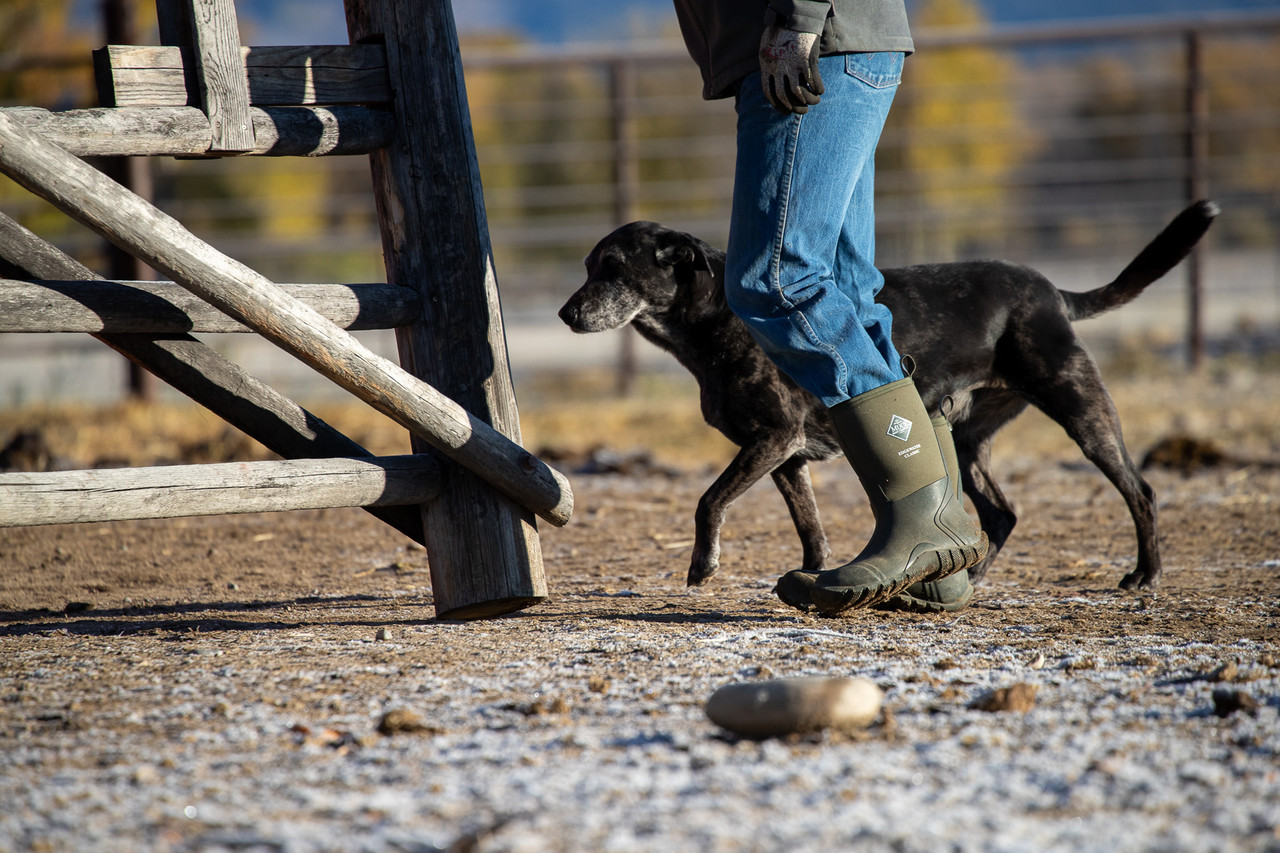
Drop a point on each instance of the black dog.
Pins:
(990, 335)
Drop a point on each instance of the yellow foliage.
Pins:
(966, 134)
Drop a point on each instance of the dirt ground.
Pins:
(324, 618)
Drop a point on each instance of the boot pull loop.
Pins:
(946, 407)
(908, 366)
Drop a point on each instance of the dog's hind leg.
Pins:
(1078, 400)
(747, 467)
(988, 410)
(792, 480)
(995, 514)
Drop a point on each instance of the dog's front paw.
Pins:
(1140, 579)
(700, 573)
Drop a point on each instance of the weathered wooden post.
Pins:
(435, 239)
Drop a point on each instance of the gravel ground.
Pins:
(279, 682)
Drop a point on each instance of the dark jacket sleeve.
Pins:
(802, 16)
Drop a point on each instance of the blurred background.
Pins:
(1063, 140)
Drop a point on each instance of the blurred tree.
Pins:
(954, 139)
(543, 138)
(1243, 76)
(1135, 109)
(46, 62)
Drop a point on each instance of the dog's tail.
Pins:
(1164, 253)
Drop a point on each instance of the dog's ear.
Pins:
(700, 295)
(676, 249)
(704, 296)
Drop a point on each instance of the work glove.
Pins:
(789, 69)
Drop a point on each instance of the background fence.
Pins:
(1063, 147)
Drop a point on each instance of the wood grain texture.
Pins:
(436, 239)
(151, 75)
(185, 131)
(150, 307)
(174, 491)
(220, 76)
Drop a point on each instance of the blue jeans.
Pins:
(801, 258)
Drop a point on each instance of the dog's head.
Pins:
(643, 271)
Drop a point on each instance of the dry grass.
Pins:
(1236, 407)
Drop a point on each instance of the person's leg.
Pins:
(801, 275)
(800, 267)
(856, 252)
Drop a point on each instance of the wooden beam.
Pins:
(435, 238)
(173, 491)
(153, 75)
(220, 77)
(148, 233)
(149, 307)
(186, 132)
(221, 386)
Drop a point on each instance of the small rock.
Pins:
(542, 706)
(1016, 697)
(786, 706)
(404, 722)
(1227, 701)
(145, 774)
(383, 635)
(1229, 671)
(599, 684)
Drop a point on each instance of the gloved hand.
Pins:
(789, 69)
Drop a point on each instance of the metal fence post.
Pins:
(1197, 157)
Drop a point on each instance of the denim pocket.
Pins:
(881, 70)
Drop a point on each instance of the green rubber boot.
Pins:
(948, 595)
(954, 592)
(795, 588)
(922, 533)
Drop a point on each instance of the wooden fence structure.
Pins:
(469, 493)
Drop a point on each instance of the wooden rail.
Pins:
(187, 132)
(174, 491)
(146, 75)
(162, 307)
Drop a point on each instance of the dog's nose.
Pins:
(569, 314)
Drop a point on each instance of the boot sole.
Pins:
(933, 565)
(783, 590)
(911, 604)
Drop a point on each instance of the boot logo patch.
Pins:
(900, 428)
